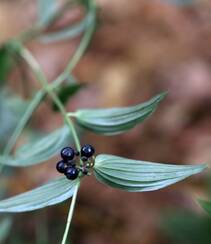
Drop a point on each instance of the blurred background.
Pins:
(140, 48)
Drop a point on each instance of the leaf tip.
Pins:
(163, 95)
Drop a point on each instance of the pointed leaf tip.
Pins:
(134, 175)
(112, 121)
(54, 192)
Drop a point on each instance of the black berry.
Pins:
(87, 151)
(61, 166)
(67, 153)
(71, 173)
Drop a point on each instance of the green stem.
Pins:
(80, 51)
(29, 111)
(49, 89)
(43, 81)
(70, 215)
(40, 94)
(31, 61)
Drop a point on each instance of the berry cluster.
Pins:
(68, 165)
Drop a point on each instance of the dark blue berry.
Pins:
(67, 153)
(71, 173)
(61, 166)
(87, 151)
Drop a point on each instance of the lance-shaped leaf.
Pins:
(111, 121)
(206, 205)
(133, 175)
(40, 150)
(56, 191)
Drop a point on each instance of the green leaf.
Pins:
(69, 32)
(11, 108)
(133, 175)
(67, 91)
(6, 63)
(46, 10)
(111, 121)
(39, 151)
(206, 205)
(56, 191)
(5, 226)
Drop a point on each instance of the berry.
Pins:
(61, 166)
(77, 153)
(67, 153)
(87, 151)
(71, 173)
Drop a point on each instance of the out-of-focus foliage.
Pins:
(46, 10)
(11, 110)
(5, 227)
(6, 63)
(44, 148)
(206, 205)
(186, 227)
(67, 91)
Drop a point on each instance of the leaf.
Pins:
(56, 191)
(112, 121)
(39, 151)
(46, 10)
(206, 205)
(69, 32)
(185, 226)
(5, 226)
(66, 91)
(133, 175)
(11, 109)
(6, 63)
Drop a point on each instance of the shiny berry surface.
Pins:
(87, 151)
(71, 173)
(67, 153)
(61, 166)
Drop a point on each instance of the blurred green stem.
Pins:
(41, 94)
(31, 61)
